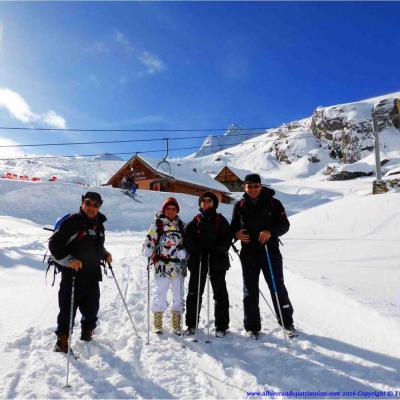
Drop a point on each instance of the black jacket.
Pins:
(267, 213)
(82, 238)
(208, 233)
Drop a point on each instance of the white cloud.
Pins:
(18, 108)
(9, 152)
(152, 62)
(121, 39)
(53, 119)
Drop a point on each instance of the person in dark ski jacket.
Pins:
(258, 220)
(207, 239)
(77, 248)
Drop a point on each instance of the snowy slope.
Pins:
(78, 171)
(341, 264)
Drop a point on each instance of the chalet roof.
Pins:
(240, 173)
(183, 173)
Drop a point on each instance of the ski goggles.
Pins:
(89, 203)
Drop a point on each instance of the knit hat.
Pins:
(93, 196)
(212, 196)
(170, 201)
(252, 178)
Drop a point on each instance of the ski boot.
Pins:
(220, 333)
(291, 332)
(190, 331)
(61, 345)
(255, 335)
(176, 322)
(86, 335)
(157, 322)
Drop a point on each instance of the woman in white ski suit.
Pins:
(164, 247)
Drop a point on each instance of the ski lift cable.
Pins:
(144, 151)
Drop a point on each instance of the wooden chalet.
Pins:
(149, 175)
(232, 178)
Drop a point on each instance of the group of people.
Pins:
(202, 246)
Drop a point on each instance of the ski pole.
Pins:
(123, 300)
(71, 323)
(208, 300)
(182, 292)
(198, 302)
(148, 301)
(272, 311)
(276, 292)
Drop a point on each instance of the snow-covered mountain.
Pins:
(107, 157)
(232, 136)
(324, 143)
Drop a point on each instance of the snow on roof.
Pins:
(181, 172)
(240, 173)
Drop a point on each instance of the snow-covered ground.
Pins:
(341, 267)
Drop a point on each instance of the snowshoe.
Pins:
(220, 333)
(61, 345)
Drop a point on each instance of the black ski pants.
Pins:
(253, 261)
(220, 296)
(86, 298)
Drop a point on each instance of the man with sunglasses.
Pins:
(77, 247)
(258, 220)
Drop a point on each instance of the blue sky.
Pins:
(187, 65)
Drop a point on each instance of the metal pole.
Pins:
(208, 300)
(71, 323)
(198, 302)
(148, 301)
(123, 300)
(276, 292)
(182, 296)
(272, 311)
(377, 151)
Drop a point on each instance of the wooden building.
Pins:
(232, 178)
(172, 177)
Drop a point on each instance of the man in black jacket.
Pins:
(207, 239)
(77, 248)
(258, 220)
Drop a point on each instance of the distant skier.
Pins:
(77, 248)
(258, 220)
(127, 182)
(207, 239)
(164, 247)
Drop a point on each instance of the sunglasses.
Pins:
(93, 204)
(170, 209)
(206, 200)
(256, 186)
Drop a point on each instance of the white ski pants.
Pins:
(161, 286)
